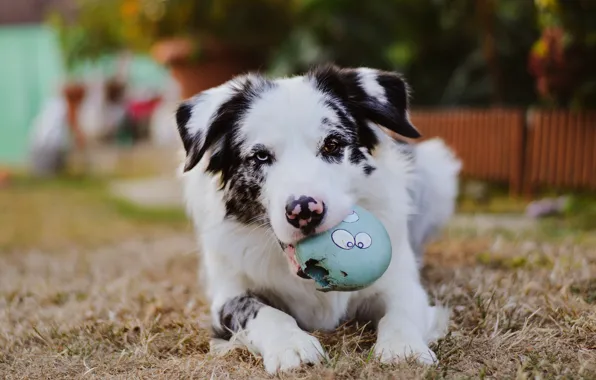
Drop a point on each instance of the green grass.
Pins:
(135, 212)
(73, 212)
(497, 200)
(502, 204)
(579, 214)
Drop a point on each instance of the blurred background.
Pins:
(89, 87)
(98, 262)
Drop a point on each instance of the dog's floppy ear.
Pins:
(379, 96)
(204, 119)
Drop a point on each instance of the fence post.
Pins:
(518, 141)
(531, 152)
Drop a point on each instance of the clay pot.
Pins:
(4, 178)
(216, 64)
(74, 93)
(114, 90)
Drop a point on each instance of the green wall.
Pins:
(29, 69)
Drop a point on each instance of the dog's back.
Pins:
(433, 189)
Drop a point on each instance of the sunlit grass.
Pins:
(496, 205)
(73, 212)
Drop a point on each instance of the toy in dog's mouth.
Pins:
(347, 257)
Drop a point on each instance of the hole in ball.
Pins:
(317, 272)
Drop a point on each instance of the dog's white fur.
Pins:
(237, 257)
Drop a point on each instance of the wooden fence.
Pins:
(561, 150)
(527, 150)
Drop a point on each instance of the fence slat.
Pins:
(524, 149)
(567, 142)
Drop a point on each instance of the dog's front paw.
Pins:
(393, 351)
(291, 350)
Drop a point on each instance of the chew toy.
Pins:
(350, 256)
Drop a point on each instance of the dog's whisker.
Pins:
(256, 228)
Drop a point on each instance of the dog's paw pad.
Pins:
(292, 351)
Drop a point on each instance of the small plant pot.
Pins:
(216, 63)
(73, 93)
(114, 90)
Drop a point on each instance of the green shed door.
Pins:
(30, 66)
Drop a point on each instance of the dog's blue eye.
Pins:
(263, 157)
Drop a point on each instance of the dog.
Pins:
(269, 162)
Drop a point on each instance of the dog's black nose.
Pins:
(305, 213)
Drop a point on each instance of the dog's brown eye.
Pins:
(331, 146)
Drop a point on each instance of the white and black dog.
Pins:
(255, 149)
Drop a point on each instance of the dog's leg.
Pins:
(274, 334)
(400, 336)
(408, 320)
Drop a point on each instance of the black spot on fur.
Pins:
(347, 123)
(356, 156)
(345, 93)
(224, 125)
(344, 84)
(369, 169)
(237, 312)
(241, 179)
(242, 195)
(183, 114)
(366, 136)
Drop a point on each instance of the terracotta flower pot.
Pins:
(217, 63)
(74, 93)
(114, 90)
(4, 178)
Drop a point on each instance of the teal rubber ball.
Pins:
(350, 256)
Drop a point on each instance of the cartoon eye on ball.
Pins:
(363, 240)
(345, 240)
(352, 218)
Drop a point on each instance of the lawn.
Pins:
(72, 212)
(91, 287)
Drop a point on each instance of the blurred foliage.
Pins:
(453, 52)
(95, 33)
(437, 44)
(246, 24)
(563, 59)
(103, 26)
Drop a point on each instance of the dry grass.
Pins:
(523, 306)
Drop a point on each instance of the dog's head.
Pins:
(291, 152)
